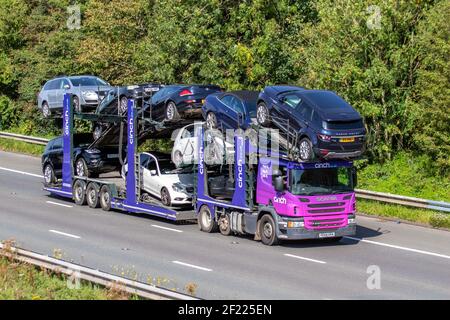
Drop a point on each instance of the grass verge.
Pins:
(429, 217)
(21, 281)
(21, 147)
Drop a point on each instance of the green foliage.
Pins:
(422, 216)
(406, 175)
(8, 114)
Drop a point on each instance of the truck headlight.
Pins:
(351, 220)
(295, 224)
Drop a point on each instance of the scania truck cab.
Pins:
(277, 198)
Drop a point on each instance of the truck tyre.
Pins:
(306, 152)
(79, 192)
(268, 230)
(105, 198)
(49, 174)
(225, 225)
(262, 114)
(172, 112)
(92, 192)
(206, 222)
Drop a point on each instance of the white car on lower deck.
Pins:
(161, 179)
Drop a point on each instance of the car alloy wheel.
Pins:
(123, 107)
(211, 121)
(76, 105)
(48, 174)
(81, 169)
(46, 110)
(178, 158)
(165, 197)
(305, 150)
(261, 114)
(171, 112)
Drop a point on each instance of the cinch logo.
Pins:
(240, 167)
(322, 165)
(280, 200)
(66, 123)
(328, 198)
(131, 128)
(200, 160)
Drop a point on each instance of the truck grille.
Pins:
(328, 207)
(325, 205)
(327, 210)
(328, 222)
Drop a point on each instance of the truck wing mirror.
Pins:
(278, 183)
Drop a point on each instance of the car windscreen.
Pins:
(167, 167)
(343, 125)
(84, 82)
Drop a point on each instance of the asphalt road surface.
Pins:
(413, 261)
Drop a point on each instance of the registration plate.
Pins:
(352, 139)
(113, 156)
(326, 234)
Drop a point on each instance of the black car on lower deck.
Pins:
(88, 161)
(174, 102)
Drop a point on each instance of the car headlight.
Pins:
(178, 187)
(93, 150)
(89, 93)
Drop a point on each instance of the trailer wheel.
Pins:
(267, 230)
(225, 225)
(79, 194)
(206, 222)
(105, 198)
(92, 192)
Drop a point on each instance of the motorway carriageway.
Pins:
(414, 261)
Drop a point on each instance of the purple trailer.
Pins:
(109, 192)
(278, 199)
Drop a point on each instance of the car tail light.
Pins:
(324, 152)
(324, 137)
(185, 92)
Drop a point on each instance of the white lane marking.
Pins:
(65, 234)
(400, 248)
(165, 228)
(59, 204)
(303, 258)
(21, 172)
(191, 265)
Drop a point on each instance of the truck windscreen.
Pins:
(320, 181)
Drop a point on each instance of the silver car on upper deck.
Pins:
(88, 91)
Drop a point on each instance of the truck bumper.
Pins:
(286, 233)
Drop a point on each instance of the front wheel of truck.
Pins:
(206, 221)
(268, 231)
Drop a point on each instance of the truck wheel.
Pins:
(49, 175)
(206, 222)
(262, 114)
(267, 230)
(225, 225)
(105, 198)
(92, 191)
(79, 194)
